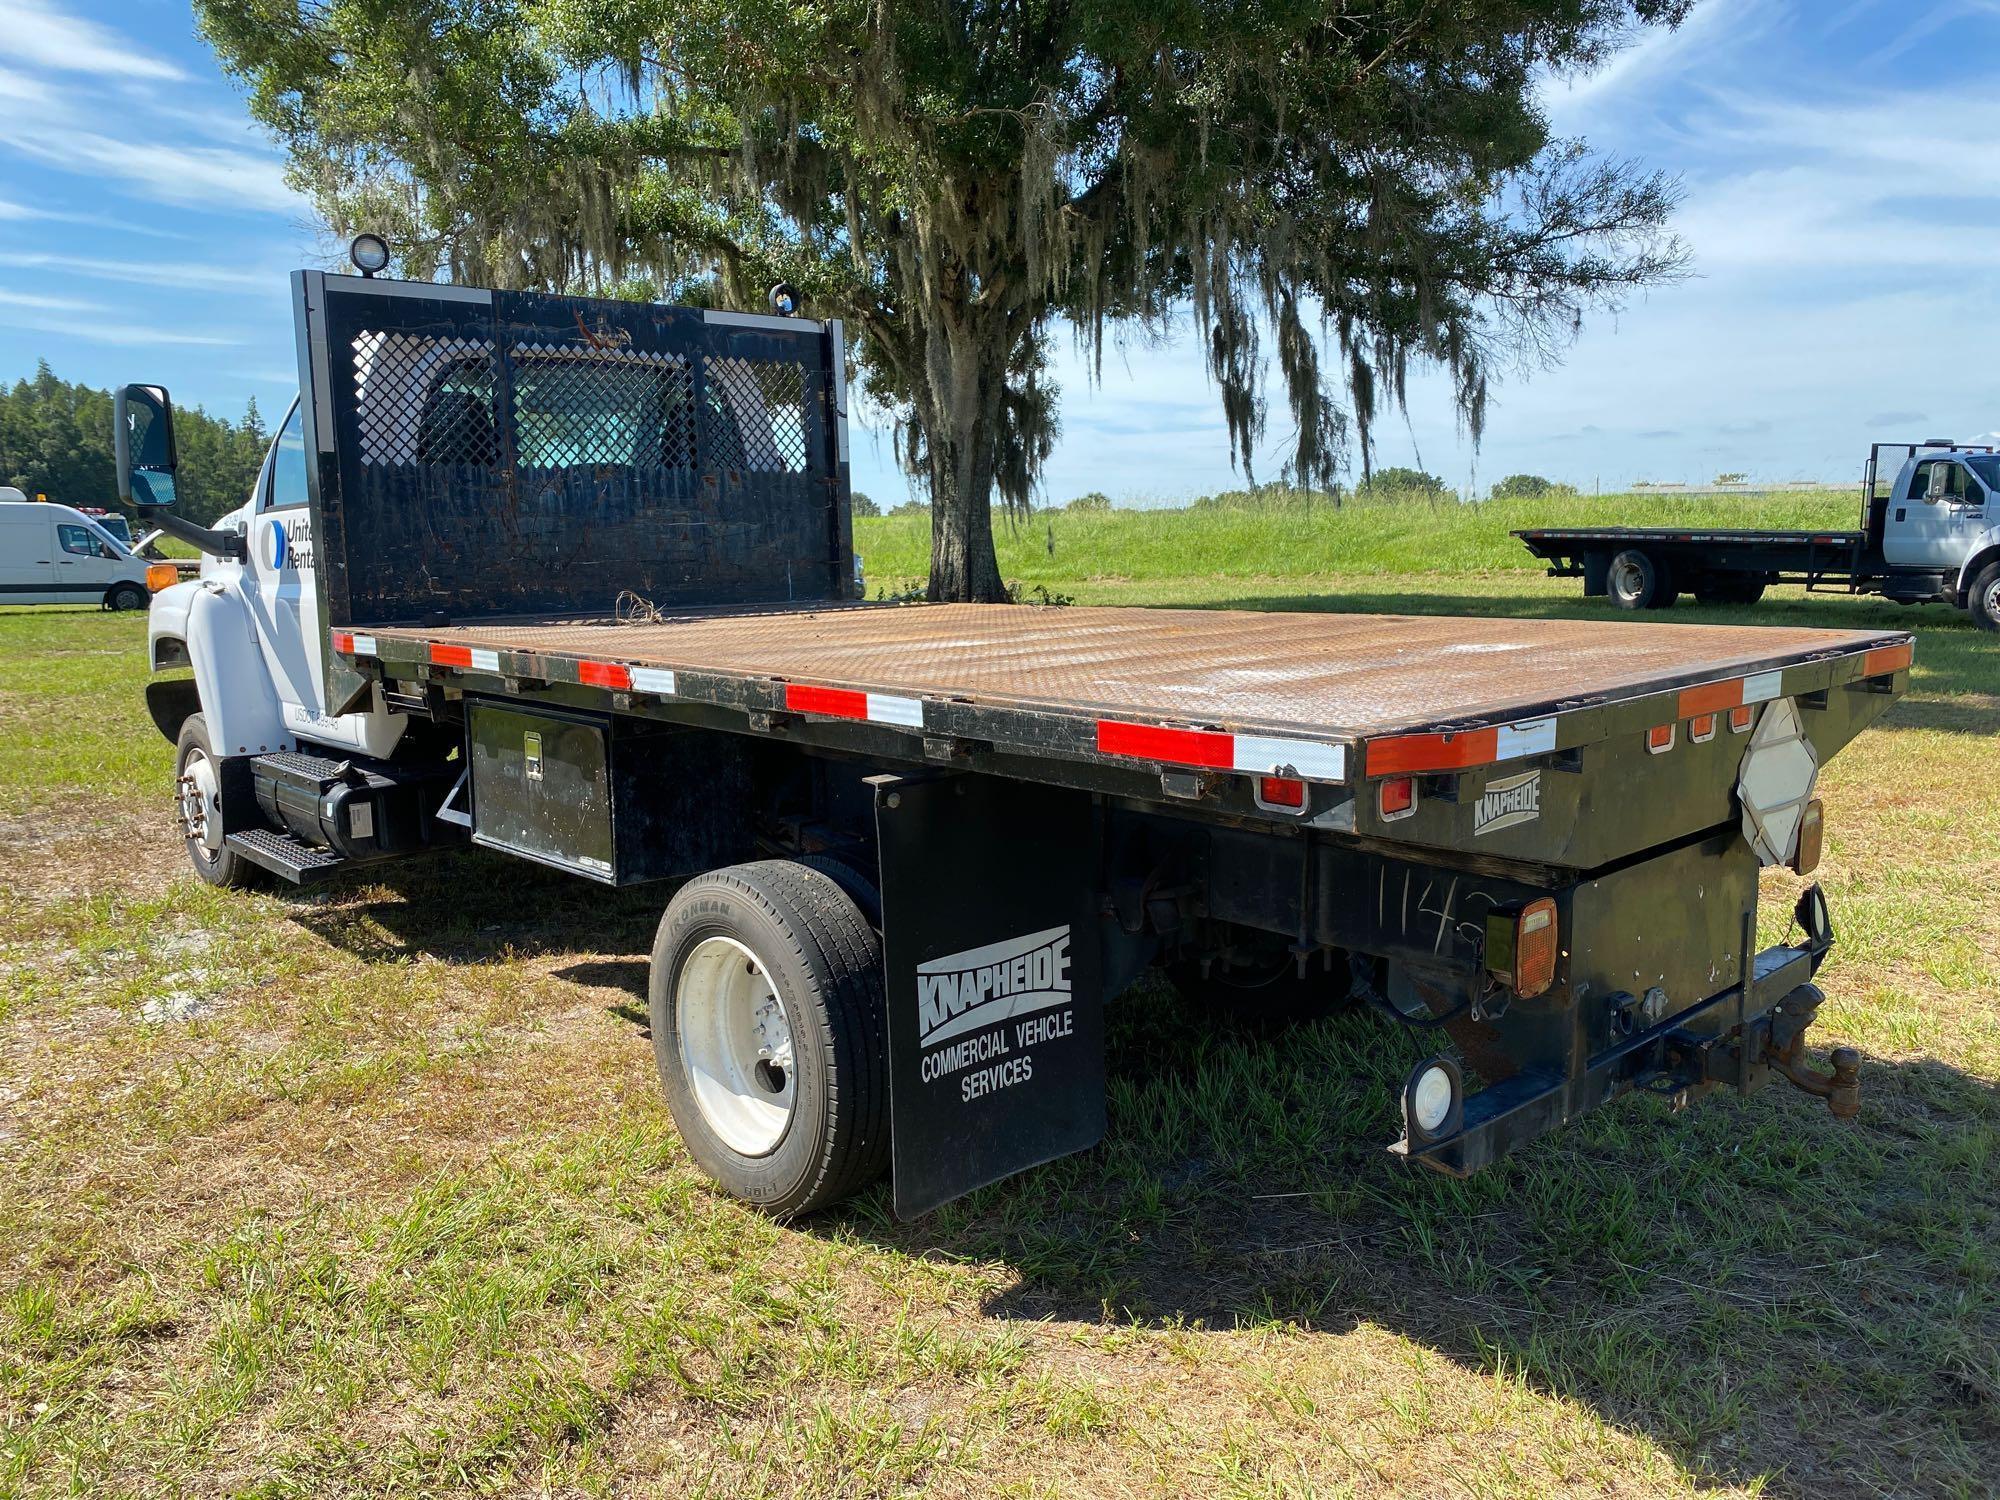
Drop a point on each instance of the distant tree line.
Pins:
(55, 440)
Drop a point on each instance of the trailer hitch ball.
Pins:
(1841, 1089)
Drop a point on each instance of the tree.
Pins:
(55, 440)
(1403, 484)
(1354, 183)
(1095, 500)
(862, 505)
(1529, 487)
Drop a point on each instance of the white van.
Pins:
(51, 554)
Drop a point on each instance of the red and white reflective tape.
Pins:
(1409, 754)
(1733, 692)
(850, 703)
(347, 642)
(1218, 750)
(653, 680)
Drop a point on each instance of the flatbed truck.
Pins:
(572, 581)
(1929, 534)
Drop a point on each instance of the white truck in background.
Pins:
(55, 554)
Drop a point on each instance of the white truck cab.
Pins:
(1943, 512)
(249, 624)
(54, 554)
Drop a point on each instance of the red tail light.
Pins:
(1660, 739)
(1281, 792)
(1399, 797)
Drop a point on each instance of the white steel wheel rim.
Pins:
(1627, 578)
(201, 802)
(735, 1045)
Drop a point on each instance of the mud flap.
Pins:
(996, 1007)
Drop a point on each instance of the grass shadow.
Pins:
(1756, 1287)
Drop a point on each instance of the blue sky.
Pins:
(1841, 161)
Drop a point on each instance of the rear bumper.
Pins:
(1723, 1041)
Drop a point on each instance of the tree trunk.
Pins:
(962, 434)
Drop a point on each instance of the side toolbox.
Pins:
(613, 798)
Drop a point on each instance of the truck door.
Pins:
(27, 555)
(1934, 524)
(82, 571)
(289, 626)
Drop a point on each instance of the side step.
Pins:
(286, 855)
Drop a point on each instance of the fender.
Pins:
(167, 624)
(1985, 549)
(236, 691)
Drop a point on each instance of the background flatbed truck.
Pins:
(923, 846)
(1930, 534)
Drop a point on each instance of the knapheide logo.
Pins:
(963, 992)
(1503, 804)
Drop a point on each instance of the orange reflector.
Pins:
(1659, 739)
(161, 576)
(1885, 659)
(1739, 719)
(1399, 797)
(1701, 728)
(1812, 835)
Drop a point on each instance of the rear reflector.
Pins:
(1281, 793)
(1812, 835)
(1659, 739)
(1399, 797)
(1521, 947)
(1885, 659)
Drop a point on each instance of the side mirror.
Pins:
(142, 432)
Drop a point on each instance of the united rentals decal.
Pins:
(1503, 804)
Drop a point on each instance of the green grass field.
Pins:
(1062, 548)
(372, 1190)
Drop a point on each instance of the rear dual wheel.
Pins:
(767, 1017)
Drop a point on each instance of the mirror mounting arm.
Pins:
(214, 543)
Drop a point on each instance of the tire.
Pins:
(1639, 580)
(1265, 996)
(1984, 599)
(126, 596)
(1736, 591)
(198, 803)
(768, 1031)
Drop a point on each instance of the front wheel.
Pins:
(1984, 600)
(198, 801)
(1639, 580)
(767, 1017)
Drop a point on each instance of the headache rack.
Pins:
(486, 453)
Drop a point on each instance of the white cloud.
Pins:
(46, 304)
(123, 334)
(40, 34)
(182, 275)
(56, 124)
